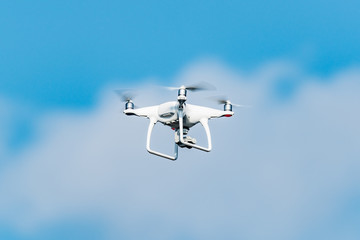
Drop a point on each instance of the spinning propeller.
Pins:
(227, 103)
(224, 101)
(196, 87)
(182, 91)
(126, 96)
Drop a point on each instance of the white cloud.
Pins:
(276, 170)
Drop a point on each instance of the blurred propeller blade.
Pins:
(201, 86)
(218, 99)
(225, 100)
(125, 94)
(171, 88)
(196, 87)
(240, 105)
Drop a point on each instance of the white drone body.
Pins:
(180, 117)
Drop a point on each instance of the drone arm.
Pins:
(142, 112)
(196, 113)
(148, 141)
(214, 113)
(204, 122)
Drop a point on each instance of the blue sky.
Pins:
(286, 169)
(59, 54)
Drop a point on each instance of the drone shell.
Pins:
(167, 112)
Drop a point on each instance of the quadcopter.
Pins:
(180, 117)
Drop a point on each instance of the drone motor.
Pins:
(227, 106)
(182, 96)
(129, 105)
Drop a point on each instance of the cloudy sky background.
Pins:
(72, 166)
